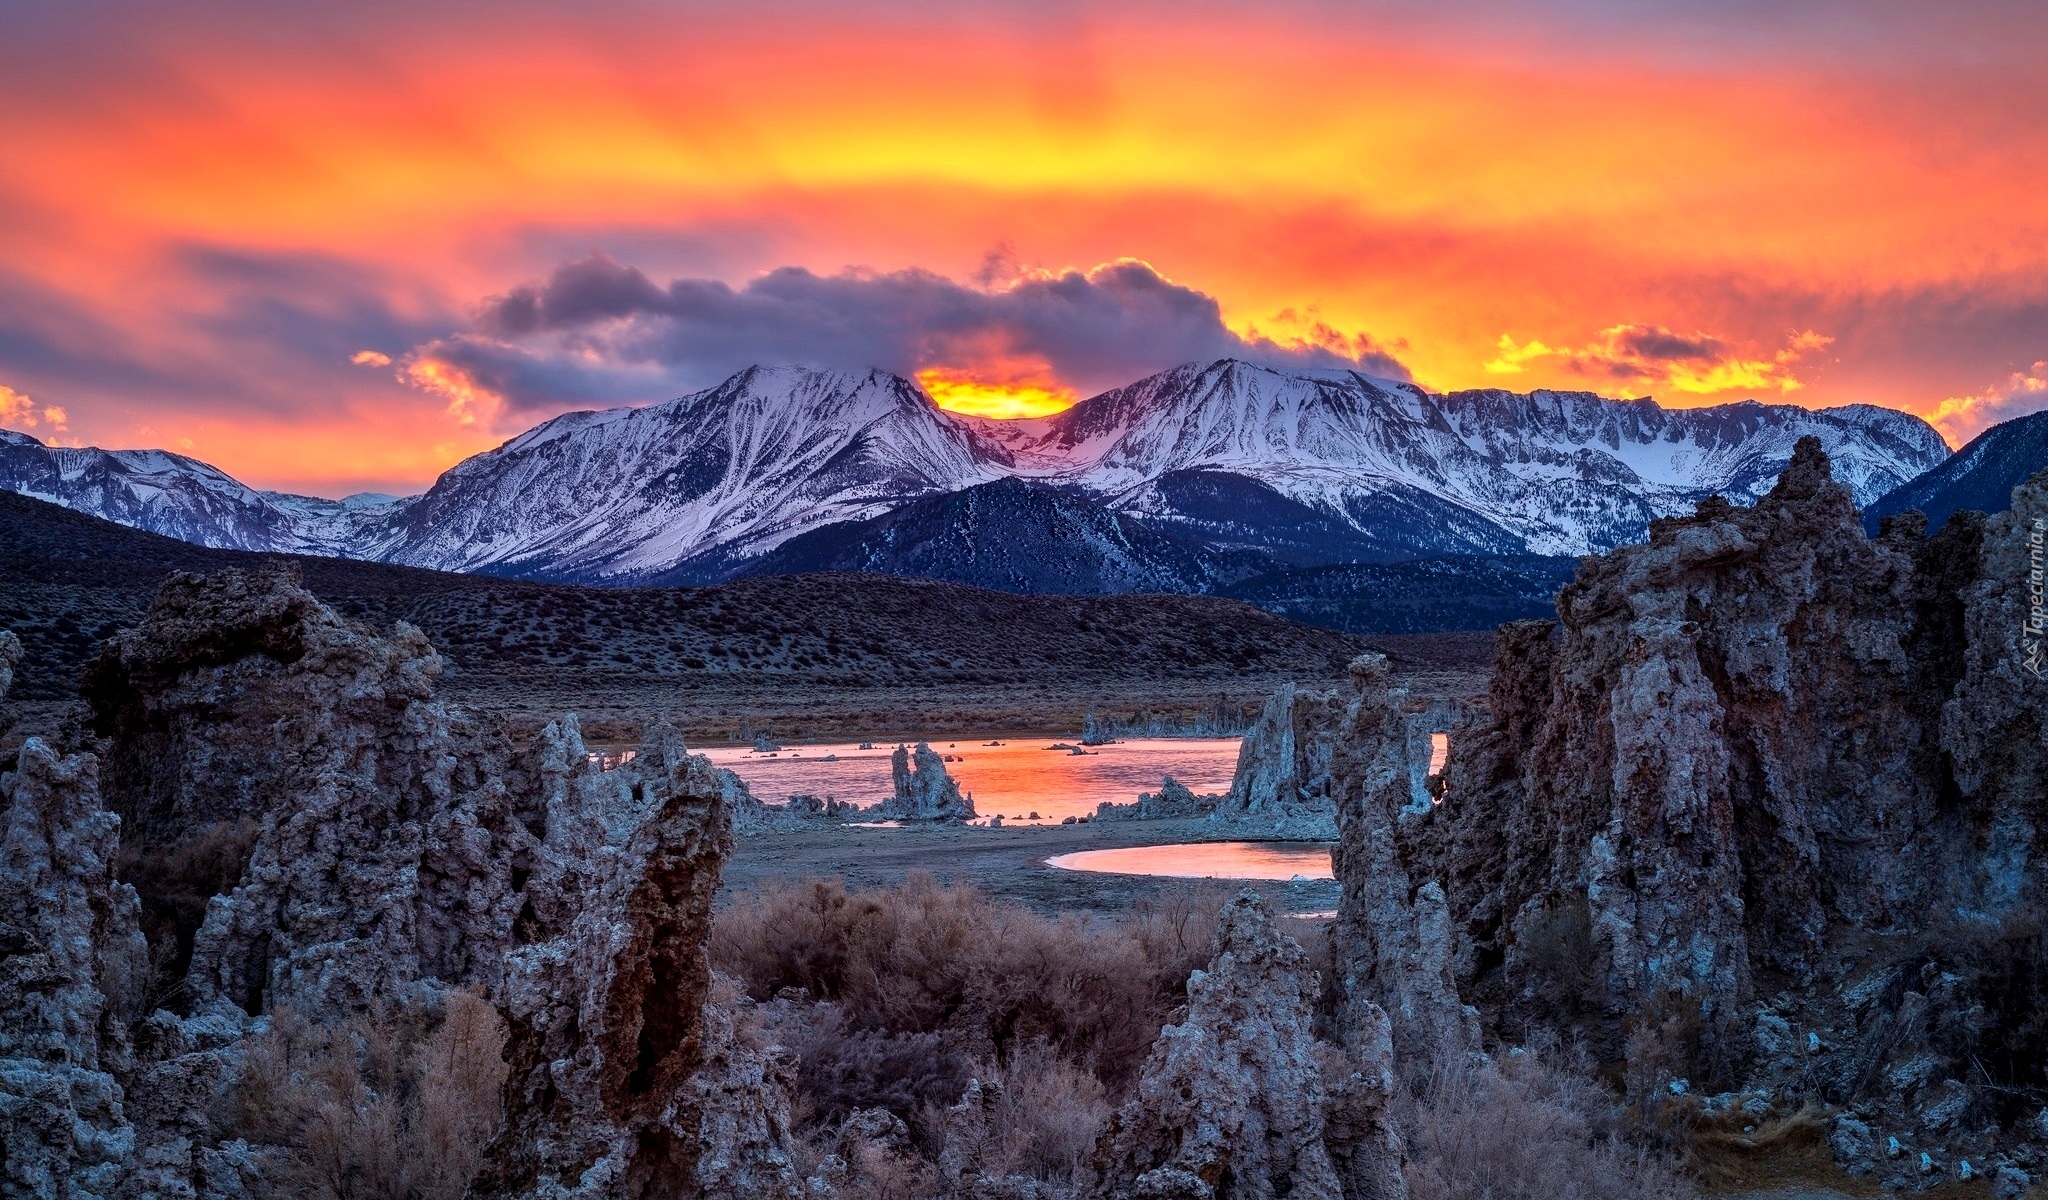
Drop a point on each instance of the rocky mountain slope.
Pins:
(1465, 472)
(1014, 536)
(1308, 467)
(1979, 476)
(180, 497)
(629, 494)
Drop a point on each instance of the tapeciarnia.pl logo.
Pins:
(2035, 629)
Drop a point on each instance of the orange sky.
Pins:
(207, 213)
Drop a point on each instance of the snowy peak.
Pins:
(633, 494)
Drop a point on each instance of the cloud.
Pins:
(17, 410)
(598, 331)
(1652, 356)
(370, 358)
(1960, 418)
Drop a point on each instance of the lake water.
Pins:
(1208, 860)
(1017, 778)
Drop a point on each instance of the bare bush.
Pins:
(921, 957)
(1531, 1126)
(396, 1108)
(1043, 1121)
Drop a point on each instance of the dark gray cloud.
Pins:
(1658, 343)
(597, 330)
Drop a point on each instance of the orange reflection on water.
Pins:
(1015, 779)
(1208, 860)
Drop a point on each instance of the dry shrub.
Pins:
(1531, 1126)
(839, 1069)
(923, 958)
(1043, 1122)
(395, 1108)
(876, 1173)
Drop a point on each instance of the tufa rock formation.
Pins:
(73, 974)
(316, 831)
(1393, 932)
(1173, 801)
(1282, 785)
(1232, 1103)
(924, 791)
(1763, 809)
(10, 657)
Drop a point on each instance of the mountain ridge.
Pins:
(1311, 466)
(1981, 475)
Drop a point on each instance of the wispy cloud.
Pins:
(1653, 357)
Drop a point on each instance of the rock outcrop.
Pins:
(1282, 785)
(924, 791)
(606, 991)
(365, 845)
(73, 970)
(1232, 1101)
(1763, 807)
(10, 657)
(1172, 802)
(1393, 931)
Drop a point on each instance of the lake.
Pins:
(1015, 779)
(1207, 860)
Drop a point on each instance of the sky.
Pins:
(340, 247)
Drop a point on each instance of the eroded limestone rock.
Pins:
(10, 658)
(73, 969)
(1232, 1103)
(1282, 785)
(1764, 805)
(395, 846)
(924, 791)
(1393, 931)
(1173, 801)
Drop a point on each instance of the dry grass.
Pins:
(909, 991)
(397, 1108)
(1530, 1126)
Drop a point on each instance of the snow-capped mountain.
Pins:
(180, 497)
(1548, 472)
(1302, 467)
(642, 494)
(1981, 475)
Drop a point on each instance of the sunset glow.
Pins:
(270, 230)
(961, 392)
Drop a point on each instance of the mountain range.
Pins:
(1202, 478)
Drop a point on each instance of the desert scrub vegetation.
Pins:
(398, 1106)
(1530, 1124)
(963, 977)
(891, 1000)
